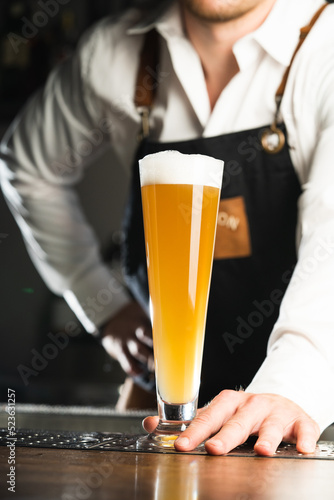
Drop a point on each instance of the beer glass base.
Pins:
(163, 443)
(174, 419)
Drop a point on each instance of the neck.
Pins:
(214, 41)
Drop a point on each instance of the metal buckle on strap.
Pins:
(272, 138)
(144, 113)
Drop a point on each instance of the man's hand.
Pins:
(127, 337)
(233, 416)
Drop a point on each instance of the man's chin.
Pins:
(217, 11)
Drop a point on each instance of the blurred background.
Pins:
(81, 373)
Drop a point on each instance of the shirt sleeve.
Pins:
(43, 155)
(300, 358)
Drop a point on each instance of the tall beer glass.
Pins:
(180, 197)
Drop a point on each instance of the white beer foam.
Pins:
(172, 167)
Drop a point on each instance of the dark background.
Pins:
(80, 373)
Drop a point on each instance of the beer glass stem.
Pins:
(172, 413)
(173, 420)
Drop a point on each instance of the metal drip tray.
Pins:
(127, 442)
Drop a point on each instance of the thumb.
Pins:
(150, 423)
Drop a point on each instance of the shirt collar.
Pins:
(165, 19)
(278, 36)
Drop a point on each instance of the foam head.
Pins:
(172, 167)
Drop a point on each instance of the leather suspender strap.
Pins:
(273, 139)
(302, 37)
(147, 80)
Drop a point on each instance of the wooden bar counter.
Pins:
(45, 474)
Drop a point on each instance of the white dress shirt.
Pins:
(87, 105)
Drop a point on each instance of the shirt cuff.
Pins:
(295, 369)
(96, 298)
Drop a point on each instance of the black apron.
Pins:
(246, 291)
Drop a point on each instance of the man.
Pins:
(220, 65)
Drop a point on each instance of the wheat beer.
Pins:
(180, 196)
